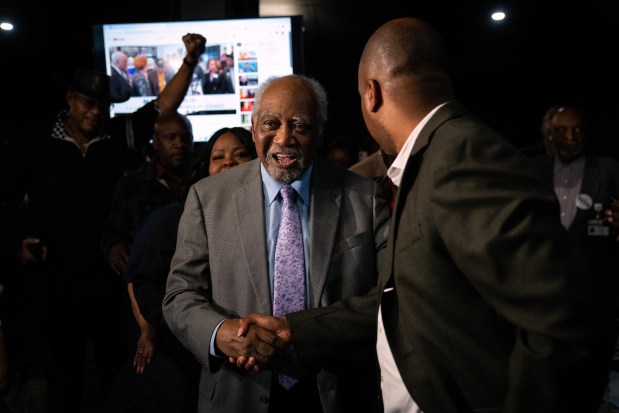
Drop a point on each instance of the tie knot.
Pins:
(287, 192)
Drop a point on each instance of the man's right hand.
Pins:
(611, 217)
(263, 347)
(277, 325)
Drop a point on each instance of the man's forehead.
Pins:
(567, 116)
(295, 116)
(287, 101)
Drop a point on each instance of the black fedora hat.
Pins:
(93, 84)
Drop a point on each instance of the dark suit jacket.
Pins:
(486, 313)
(601, 182)
(220, 270)
(119, 87)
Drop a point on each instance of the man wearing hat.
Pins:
(68, 176)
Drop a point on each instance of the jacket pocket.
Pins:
(349, 243)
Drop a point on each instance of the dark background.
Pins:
(508, 73)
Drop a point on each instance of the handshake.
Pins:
(255, 342)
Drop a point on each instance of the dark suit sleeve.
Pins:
(350, 324)
(341, 328)
(496, 240)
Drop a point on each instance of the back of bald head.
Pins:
(408, 55)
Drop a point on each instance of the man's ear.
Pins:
(69, 98)
(155, 143)
(373, 96)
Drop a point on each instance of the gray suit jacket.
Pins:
(220, 270)
(492, 308)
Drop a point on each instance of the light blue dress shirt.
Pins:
(272, 216)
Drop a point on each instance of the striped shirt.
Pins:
(567, 184)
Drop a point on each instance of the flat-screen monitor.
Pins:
(250, 49)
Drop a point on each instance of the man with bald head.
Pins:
(478, 308)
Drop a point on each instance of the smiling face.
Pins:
(86, 114)
(568, 133)
(286, 128)
(227, 152)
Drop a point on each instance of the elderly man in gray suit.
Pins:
(224, 266)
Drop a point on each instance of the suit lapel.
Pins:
(249, 209)
(448, 111)
(325, 206)
(590, 185)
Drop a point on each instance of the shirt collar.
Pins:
(577, 164)
(396, 169)
(301, 185)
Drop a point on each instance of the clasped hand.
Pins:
(255, 342)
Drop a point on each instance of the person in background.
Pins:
(229, 260)
(227, 69)
(611, 216)
(119, 81)
(68, 173)
(141, 84)
(166, 69)
(163, 375)
(141, 192)
(156, 81)
(197, 80)
(342, 151)
(214, 81)
(584, 184)
(483, 302)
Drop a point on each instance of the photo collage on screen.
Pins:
(247, 67)
(239, 55)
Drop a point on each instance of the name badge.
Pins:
(596, 228)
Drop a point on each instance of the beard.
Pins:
(568, 153)
(287, 174)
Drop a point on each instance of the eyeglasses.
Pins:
(90, 103)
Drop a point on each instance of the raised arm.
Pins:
(173, 94)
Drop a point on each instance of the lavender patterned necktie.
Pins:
(289, 270)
